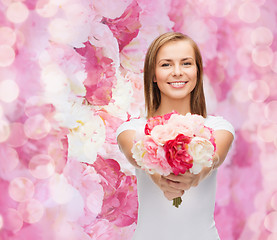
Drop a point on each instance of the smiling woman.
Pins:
(173, 82)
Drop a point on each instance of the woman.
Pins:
(173, 80)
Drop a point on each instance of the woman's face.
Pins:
(176, 70)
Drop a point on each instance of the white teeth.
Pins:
(177, 83)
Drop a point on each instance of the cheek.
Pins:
(158, 76)
(193, 74)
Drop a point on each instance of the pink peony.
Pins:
(163, 133)
(100, 75)
(158, 120)
(182, 124)
(176, 152)
(155, 160)
(151, 156)
(152, 122)
(189, 125)
(126, 27)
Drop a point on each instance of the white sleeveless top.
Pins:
(158, 219)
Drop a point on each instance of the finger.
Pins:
(166, 186)
(173, 177)
(183, 178)
(179, 185)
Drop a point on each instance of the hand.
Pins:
(175, 186)
(187, 180)
(165, 185)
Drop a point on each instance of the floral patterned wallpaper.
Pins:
(71, 73)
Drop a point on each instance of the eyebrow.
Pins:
(183, 59)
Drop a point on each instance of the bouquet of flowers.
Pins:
(174, 143)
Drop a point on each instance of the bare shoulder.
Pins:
(126, 136)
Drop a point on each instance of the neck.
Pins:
(179, 105)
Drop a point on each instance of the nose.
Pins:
(177, 71)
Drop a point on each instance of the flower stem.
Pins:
(177, 201)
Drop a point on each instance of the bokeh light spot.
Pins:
(4, 130)
(219, 8)
(248, 131)
(254, 221)
(255, 109)
(274, 63)
(271, 111)
(9, 160)
(21, 189)
(9, 91)
(17, 12)
(273, 201)
(1, 222)
(258, 91)
(37, 127)
(7, 36)
(12, 220)
(238, 90)
(262, 56)
(244, 56)
(243, 37)
(7, 55)
(60, 190)
(46, 8)
(42, 166)
(17, 136)
(31, 210)
(270, 222)
(262, 36)
(267, 131)
(20, 39)
(272, 236)
(249, 12)
(36, 105)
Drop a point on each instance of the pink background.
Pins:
(71, 73)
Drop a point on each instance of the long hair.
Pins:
(151, 91)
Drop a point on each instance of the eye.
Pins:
(165, 65)
(187, 63)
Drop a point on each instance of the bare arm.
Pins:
(125, 141)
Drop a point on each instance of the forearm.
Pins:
(224, 141)
(125, 142)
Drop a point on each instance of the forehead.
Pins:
(176, 49)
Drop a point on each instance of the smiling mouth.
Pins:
(177, 84)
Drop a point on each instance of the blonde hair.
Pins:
(151, 91)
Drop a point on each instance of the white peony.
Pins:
(138, 151)
(202, 151)
(87, 133)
